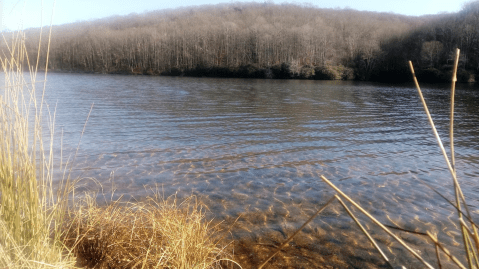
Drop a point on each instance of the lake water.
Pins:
(258, 147)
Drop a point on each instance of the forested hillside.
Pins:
(263, 40)
(431, 49)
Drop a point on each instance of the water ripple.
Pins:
(260, 145)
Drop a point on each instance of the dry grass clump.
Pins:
(156, 233)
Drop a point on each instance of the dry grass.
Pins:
(156, 233)
(31, 209)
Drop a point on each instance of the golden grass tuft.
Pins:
(155, 233)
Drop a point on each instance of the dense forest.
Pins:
(266, 41)
(431, 49)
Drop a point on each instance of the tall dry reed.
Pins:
(31, 207)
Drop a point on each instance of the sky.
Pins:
(22, 14)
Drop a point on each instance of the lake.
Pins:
(258, 147)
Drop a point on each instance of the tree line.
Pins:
(431, 47)
(262, 40)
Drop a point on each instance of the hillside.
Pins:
(259, 40)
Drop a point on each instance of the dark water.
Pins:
(261, 145)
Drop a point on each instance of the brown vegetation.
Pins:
(153, 234)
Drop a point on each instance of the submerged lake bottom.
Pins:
(259, 216)
(255, 149)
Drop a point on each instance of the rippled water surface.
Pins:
(259, 146)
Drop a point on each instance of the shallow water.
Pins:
(258, 147)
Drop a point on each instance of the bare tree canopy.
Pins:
(262, 40)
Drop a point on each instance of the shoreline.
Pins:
(427, 76)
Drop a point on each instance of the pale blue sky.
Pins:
(21, 14)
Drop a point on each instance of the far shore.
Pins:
(430, 75)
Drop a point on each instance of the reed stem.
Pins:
(297, 231)
(476, 241)
(446, 251)
(377, 222)
(439, 141)
(364, 231)
(453, 160)
(449, 201)
(453, 91)
(438, 257)
(468, 246)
